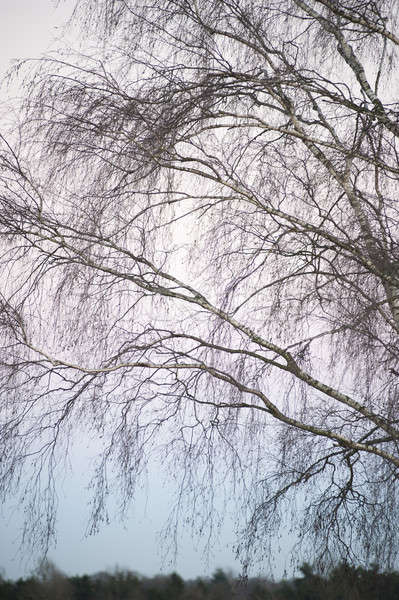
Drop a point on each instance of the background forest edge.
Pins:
(344, 582)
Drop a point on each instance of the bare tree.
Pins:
(200, 261)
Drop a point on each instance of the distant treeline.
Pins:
(342, 583)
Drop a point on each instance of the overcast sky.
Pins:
(27, 29)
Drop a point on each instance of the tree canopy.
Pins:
(199, 233)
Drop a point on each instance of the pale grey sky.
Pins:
(134, 544)
(27, 29)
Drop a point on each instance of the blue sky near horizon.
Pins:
(134, 544)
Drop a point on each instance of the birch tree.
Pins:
(199, 230)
